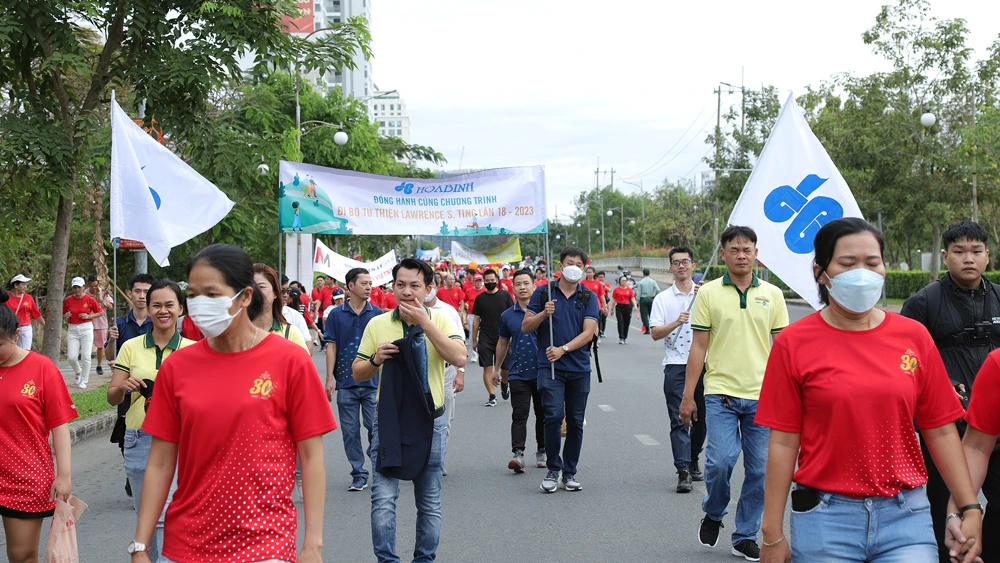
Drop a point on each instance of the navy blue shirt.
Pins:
(129, 328)
(567, 324)
(523, 349)
(344, 328)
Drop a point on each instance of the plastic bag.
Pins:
(61, 547)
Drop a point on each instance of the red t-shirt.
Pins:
(25, 308)
(33, 400)
(236, 447)
(84, 305)
(190, 330)
(983, 414)
(541, 282)
(598, 289)
(324, 295)
(508, 284)
(453, 296)
(376, 296)
(623, 295)
(853, 396)
(388, 301)
(470, 297)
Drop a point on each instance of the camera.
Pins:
(981, 330)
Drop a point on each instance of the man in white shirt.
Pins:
(454, 378)
(670, 321)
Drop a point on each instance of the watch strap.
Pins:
(969, 507)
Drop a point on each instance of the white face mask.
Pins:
(572, 274)
(211, 314)
(430, 296)
(856, 290)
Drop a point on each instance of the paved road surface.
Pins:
(627, 511)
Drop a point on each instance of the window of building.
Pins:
(381, 124)
(383, 107)
(317, 7)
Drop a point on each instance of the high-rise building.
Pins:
(389, 111)
(320, 14)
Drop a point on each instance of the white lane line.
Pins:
(646, 440)
(606, 408)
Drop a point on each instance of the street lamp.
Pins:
(643, 195)
(621, 209)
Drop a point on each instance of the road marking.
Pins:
(646, 440)
(606, 408)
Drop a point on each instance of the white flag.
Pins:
(156, 198)
(792, 192)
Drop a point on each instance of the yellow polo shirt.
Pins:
(139, 357)
(290, 333)
(388, 327)
(741, 326)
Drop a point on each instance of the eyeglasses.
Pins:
(684, 262)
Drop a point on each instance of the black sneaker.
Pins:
(505, 391)
(684, 482)
(492, 402)
(696, 474)
(708, 535)
(100, 371)
(747, 549)
(128, 487)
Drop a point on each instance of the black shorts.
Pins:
(487, 355)
(11, 513)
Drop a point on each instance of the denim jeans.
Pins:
(426, 495)
(564, 396)
(685, 443)
(137, 444)
(876, 530)
(352, 402)
(731, 429)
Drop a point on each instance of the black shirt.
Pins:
(489, 307)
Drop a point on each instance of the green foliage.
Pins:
(91, 402)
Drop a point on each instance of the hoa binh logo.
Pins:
(29, 389)
(762, 301)
(909, 362)
(405, 187)
(262, 387)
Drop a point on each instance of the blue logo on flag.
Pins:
(405, 187)
(809, 215)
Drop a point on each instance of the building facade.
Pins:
(389, 112)
(320, 14)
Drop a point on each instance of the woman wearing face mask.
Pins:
(841, 391)
(271, 319)
(625, 303)
(34, 402)
(136, 366)
(231, 412)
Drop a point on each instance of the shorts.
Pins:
(487, 355)
(100, 337)
(20, 514)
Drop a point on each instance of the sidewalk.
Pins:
(95, 380)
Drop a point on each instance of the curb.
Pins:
(100, 423)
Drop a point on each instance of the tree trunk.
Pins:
(935, 251)
(57, 279)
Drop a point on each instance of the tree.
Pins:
(62, 58)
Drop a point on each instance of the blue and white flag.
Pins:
(156, 198)
(792, 192)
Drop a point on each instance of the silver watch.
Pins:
(565, 349)
(136, 547)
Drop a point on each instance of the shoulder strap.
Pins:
(18, 310)
(288, 328)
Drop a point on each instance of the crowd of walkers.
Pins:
(879, 428)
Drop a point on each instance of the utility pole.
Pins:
(975, 167)
(715, 224)
(642, 193)
(718, 127)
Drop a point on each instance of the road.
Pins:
(627, 511)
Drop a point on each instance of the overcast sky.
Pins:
(565, 83)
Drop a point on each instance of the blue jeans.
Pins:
(685, 443)
(137, 444)
(566, 395)
(876, 530)
(731, 429)
(426, 495)
(350, 401)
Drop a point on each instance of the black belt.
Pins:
(438, 412)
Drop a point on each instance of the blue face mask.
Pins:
(856, 290)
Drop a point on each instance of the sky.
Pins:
(576, 84)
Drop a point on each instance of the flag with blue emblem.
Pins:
(156, 198)
(793, 191)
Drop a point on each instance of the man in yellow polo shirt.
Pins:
(734, 319)
(445, 343)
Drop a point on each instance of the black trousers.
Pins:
(603, 322)
(522, 395)
(623, 313)
(938, 494)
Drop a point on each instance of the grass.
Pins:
(89, 403)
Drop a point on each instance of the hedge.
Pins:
(899, 284)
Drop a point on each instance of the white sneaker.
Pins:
(83, 386)
(76, 379)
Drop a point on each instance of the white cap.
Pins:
(19, 278)
(78, 282)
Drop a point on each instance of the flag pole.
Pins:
(711, 261)
(114, 305)
(548, 266)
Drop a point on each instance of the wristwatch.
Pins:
(565, 348)
(371, 361)
(136, 547)
(461, 370)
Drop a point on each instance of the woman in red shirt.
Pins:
(79, 310)
(34, 401)
(624, 298)
(840, 394)
(231, 412)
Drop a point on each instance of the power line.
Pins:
(693, 121)
(696, 135)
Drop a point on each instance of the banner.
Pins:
(506, 253)
(786, 218)
(430, 255)
(316, 199)
(332, 264)
(156, 198)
